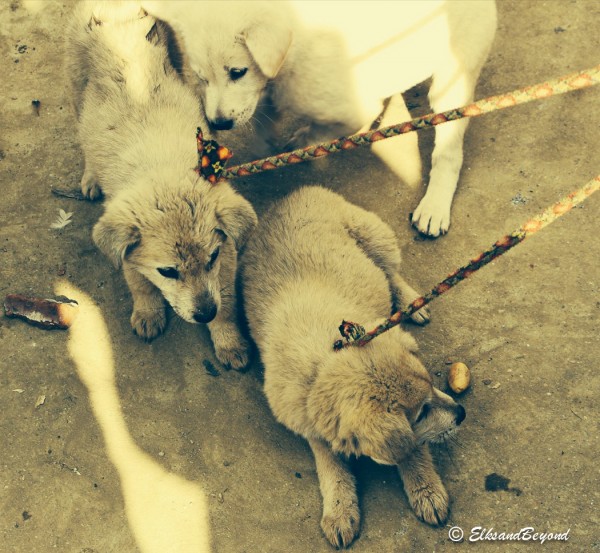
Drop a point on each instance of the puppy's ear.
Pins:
(400, 442)
(116, 236)
(269, 44)
(237, 218)
(385, 436)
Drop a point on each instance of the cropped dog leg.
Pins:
(341, 516)
(448, 91)
(379, 243)
(426, 493)
(400, 154)
(149, 317)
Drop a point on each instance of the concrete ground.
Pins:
(179, 438)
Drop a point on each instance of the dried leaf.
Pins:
(40, 401)
(62, 220)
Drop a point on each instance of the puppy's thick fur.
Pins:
(175, 235)
(315, 260)
(333, 65)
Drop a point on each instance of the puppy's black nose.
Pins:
(460, 414)
(206, 315)
(221, 124)
(206, 309)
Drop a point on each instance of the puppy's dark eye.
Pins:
(212, 259)
(236, 73)
(168, 272)
(424, 411)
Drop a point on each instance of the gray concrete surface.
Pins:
(527, 325)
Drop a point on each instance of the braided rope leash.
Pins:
(573, 81)
(355, 335)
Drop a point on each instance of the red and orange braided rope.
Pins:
(500, 247)
(574, 81)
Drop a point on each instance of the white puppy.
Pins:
(175, 235)
(334, 63)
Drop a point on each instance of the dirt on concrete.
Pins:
(527, 326)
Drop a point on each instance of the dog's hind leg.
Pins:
(378, 242)
(149, 317)
(341, 516)
(424, 488)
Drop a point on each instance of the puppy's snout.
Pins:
(460, 414)
(221, 124)
(206, 309)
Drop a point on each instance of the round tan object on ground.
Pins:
(459, 377)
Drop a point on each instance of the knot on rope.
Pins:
(350, 332)
(212, 158)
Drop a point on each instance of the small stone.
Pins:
(459, 377)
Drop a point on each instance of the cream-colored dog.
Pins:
(315, 260)
(333, 64)
(175, 235)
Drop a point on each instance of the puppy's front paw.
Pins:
(234, 357)
(148, 324)
(432, 216)
(341, 524)
(430, 503)
(90, 187)
(421, 317)
(230, 347)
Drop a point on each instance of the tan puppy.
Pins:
(175, 235)
(333, 64)
(315, 260)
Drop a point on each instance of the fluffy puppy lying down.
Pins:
(175, 235)
(330, 260)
